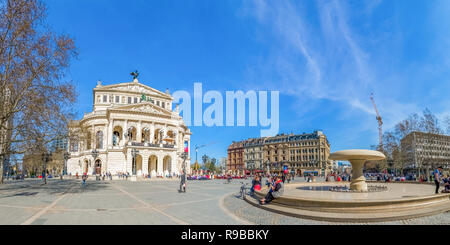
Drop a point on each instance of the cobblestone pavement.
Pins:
(116, 202)
(148, 202)
(259, 216)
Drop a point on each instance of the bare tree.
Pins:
(396, 142)
(33, 98)
(391, 148)
(430, 126)
(401, 145)
(447, 124)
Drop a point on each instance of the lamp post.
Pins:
(66, 157)
(45, 159)
(134, 153)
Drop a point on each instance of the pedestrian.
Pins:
(84, 177)
(437, 178)
(183, 182)
(257, 184)
(269, 181)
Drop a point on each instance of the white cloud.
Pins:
(321, 51)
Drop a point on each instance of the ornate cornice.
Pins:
(132, 87)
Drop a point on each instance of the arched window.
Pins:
(99, 140)
(88, 141)
(74, 145)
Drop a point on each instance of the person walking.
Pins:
(437, 178)
(84, 177)
(183, 182)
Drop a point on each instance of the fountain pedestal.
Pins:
(357, 158)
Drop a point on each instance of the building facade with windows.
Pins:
(253, 153)
(235, 163)
(425, 151)
(302, 154)
(132, 129)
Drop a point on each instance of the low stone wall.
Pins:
(328, 205)
(358, 210)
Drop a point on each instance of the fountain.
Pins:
(357, 158)
(356, 201)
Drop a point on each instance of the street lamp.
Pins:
(45, 159)
(66, 157)
(134, 152)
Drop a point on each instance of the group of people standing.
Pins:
(438, 179)
(337, 177)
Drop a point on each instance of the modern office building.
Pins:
(425, 151)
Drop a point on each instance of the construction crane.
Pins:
(380, 123)
(196, 151)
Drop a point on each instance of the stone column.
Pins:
(139, 132)
(93, 137)
(175, 138)
(174, 163)
(152, 133)
(145, 159)
(109, 133)
(160, 170)
(125, 131)
(129, 162)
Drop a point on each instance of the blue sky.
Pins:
(325, 58)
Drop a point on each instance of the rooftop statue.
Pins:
(135, 74)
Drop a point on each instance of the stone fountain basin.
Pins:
(357, 154)
(400, 201)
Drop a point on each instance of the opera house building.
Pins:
(132, 129)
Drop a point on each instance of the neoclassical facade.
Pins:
(133, 129)
(302, 153)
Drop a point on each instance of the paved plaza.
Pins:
(158, 202)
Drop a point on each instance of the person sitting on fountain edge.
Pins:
(275, 191)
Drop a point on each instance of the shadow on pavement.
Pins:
(53, 187)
